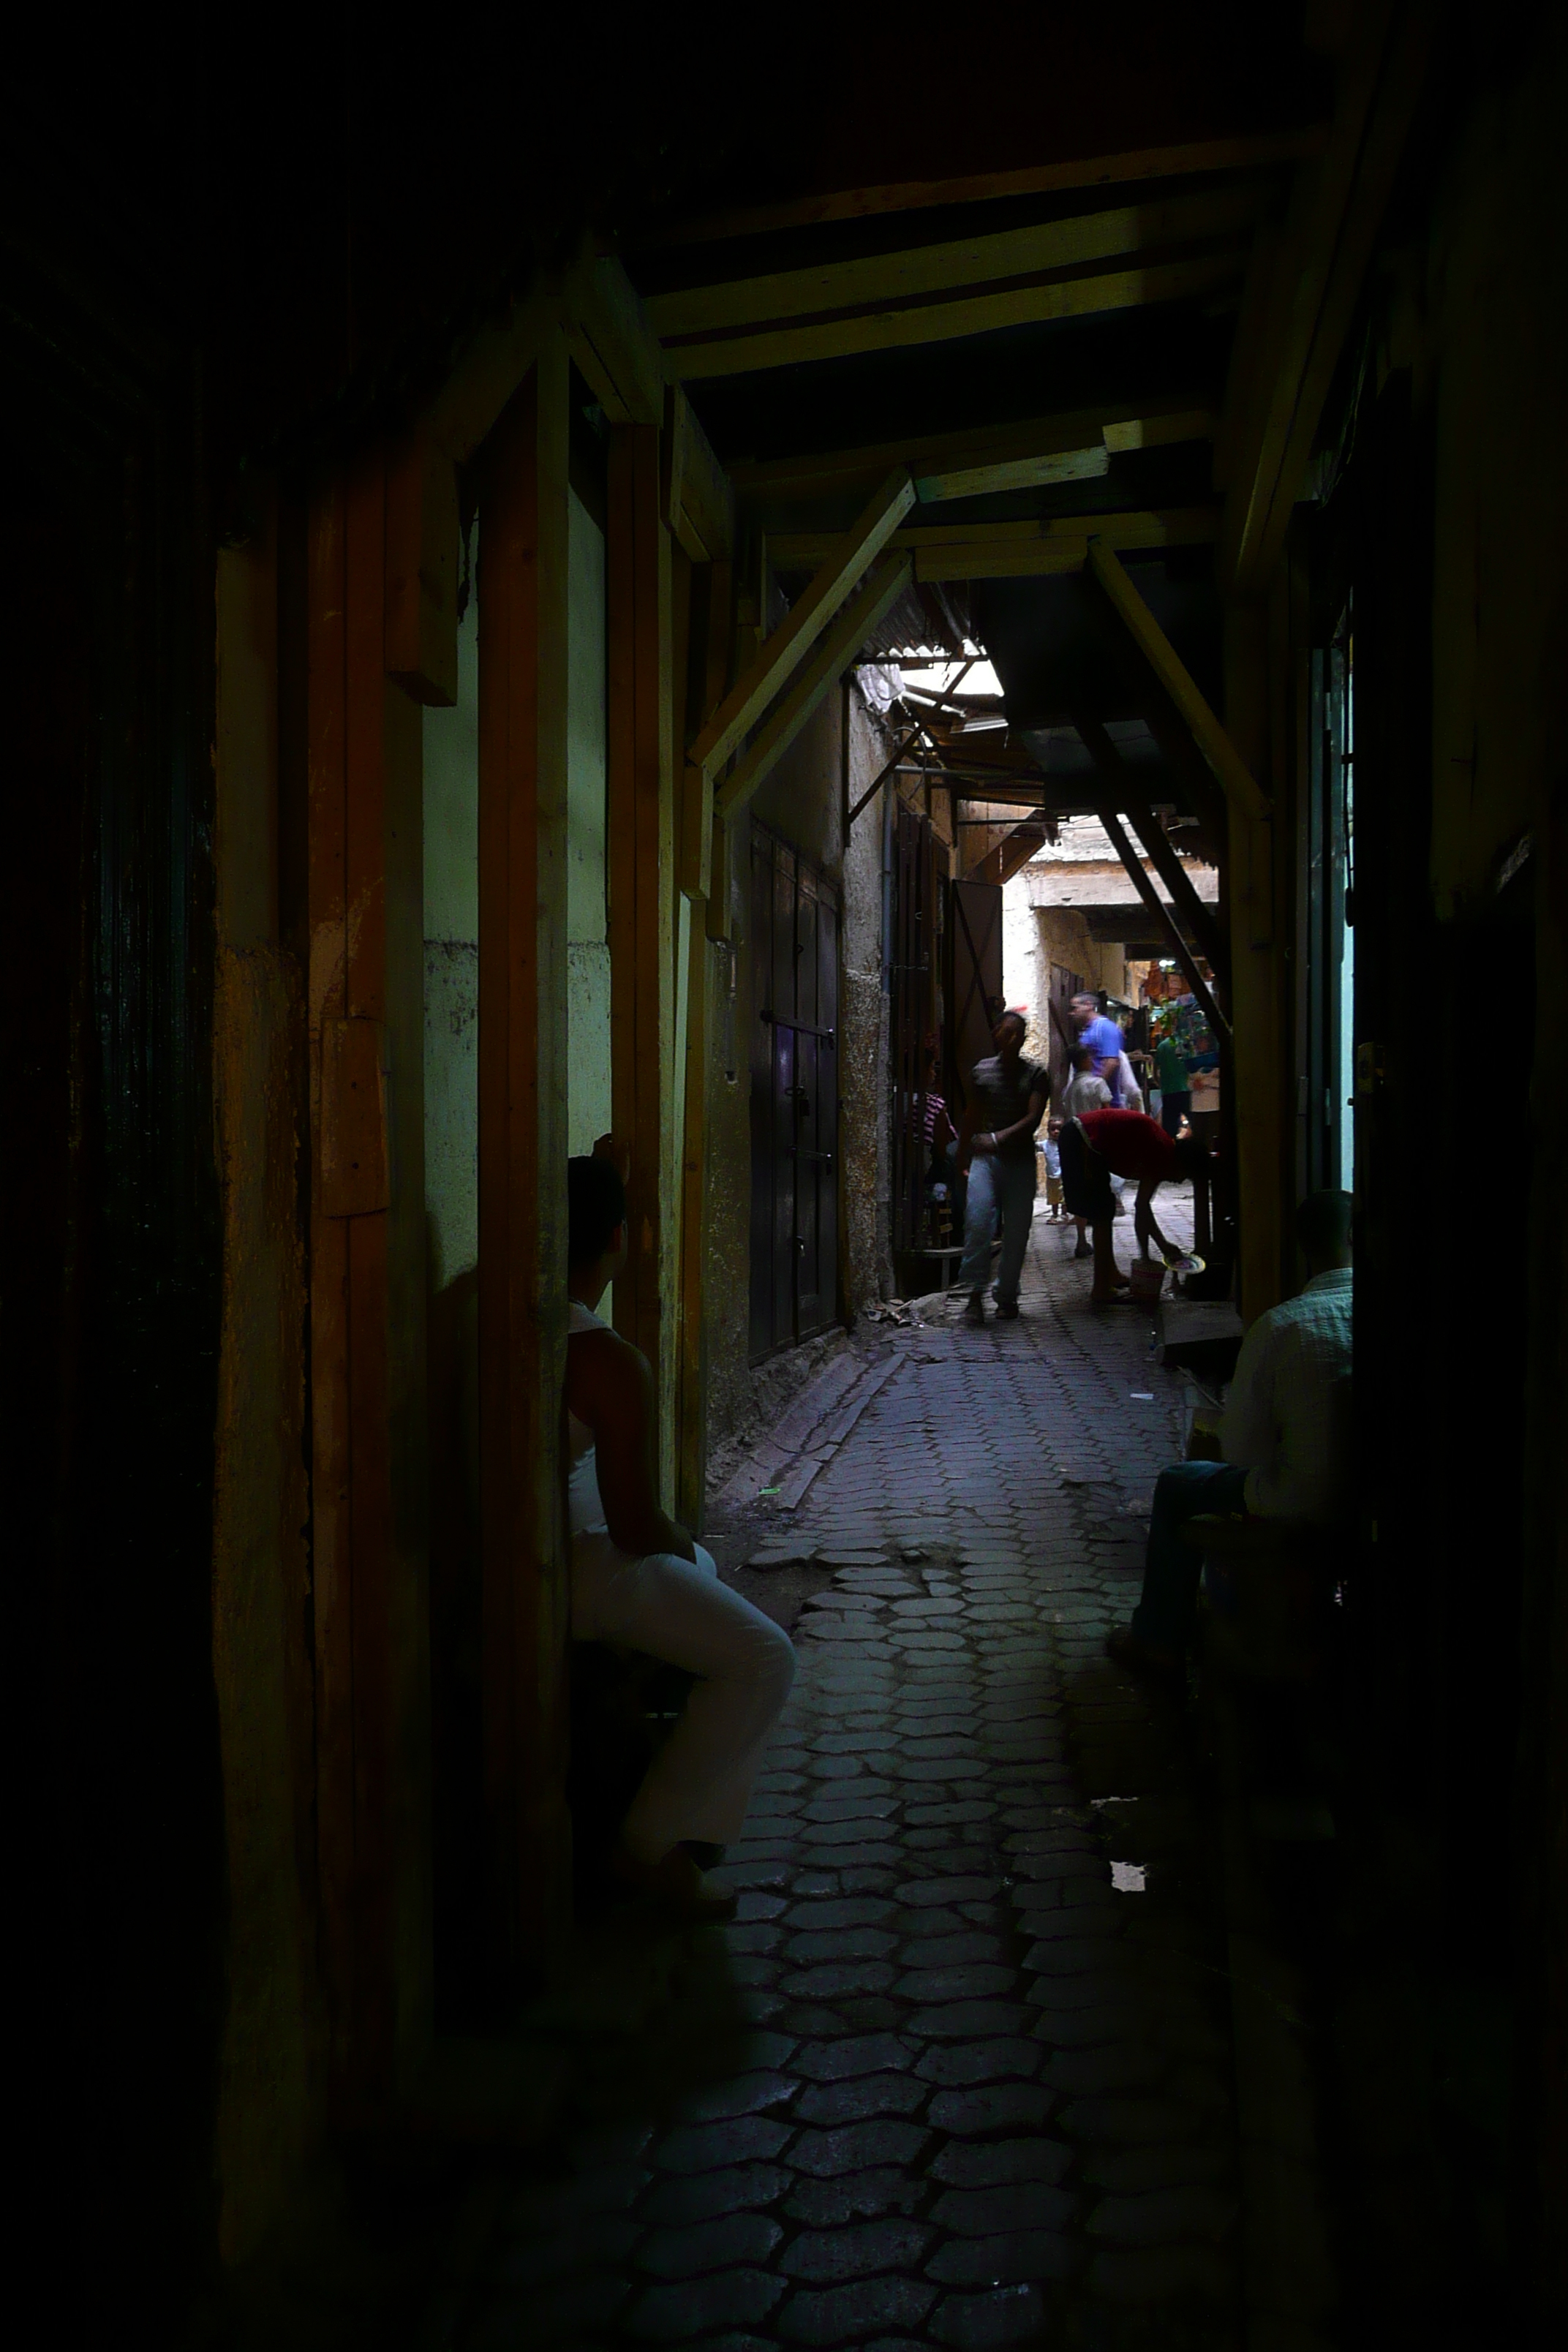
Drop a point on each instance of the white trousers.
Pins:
(699, 1783)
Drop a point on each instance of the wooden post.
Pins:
(522, 1159)
(641, 905)
(1253, 1112)
(367, 1291)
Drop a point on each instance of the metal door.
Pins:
(795, 1097)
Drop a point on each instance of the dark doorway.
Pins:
(974, 988)
(795, 1097)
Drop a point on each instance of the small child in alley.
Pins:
(1054, 1208)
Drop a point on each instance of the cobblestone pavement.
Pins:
(960, 2072)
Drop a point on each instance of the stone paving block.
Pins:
(855, 2196)
(838, 2062)
(958, 1948)
(1002, 2163)
(921, 1894)
(775, 1873)
(846, 2314)
(988, 2323)
(743, 2094)
(831, 1980)
(975, 1980)
(838, 1768)
(840, 1944)
(675, 2313)
(1159, 2275)
(854, 2146)
(1011, 2255)
(756, 1939)
(860, 2250)
(997, 2106)
(703, 2148)
(992, 2061)
(1021, 2205)
(956, 2021)
(702, 2196)
(868, 2095)
(857, 1857)
(682, 2253)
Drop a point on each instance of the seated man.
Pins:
(1100, 1144)
(1285, 1438)
(638, 1579)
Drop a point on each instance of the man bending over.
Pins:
(1100, 1144)
(639, 1579)
(1285, 1438)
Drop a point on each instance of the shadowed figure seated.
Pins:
(1285, 1438)
(638, 1580)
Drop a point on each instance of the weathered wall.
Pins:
(863, 1013)
(271, 2084)
(587, 936)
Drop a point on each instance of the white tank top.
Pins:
(584, 1510)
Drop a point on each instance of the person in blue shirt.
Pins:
(1100, 1036)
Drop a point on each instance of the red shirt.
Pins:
(1130, 1144)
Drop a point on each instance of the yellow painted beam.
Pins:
(934, 457)
(919, 272)
(922, 320)
(1000, 551)
(1239, 785)
(838, 649)
(844, 564)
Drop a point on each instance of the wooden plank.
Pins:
(1126, 791)
(422, 566)
(823, 472)
(523, 1163)
(699, 503)
(845, 563)
(885, 280)
(1002, 859)
(1171, 673)
(1090, 464)
(1077, 294)
(783, 723)
(609, 336)
(331, 1516)
(1028, 550)
(691, 1437)
(720, 899)
(1165, 917)
(1303, 301)
(1248, 152)
(642, 904)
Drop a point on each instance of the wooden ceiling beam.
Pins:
(1078, 295)
(1259, 152)
(917, 273)
(1012, 551)
(943, 459)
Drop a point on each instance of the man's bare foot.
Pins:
(675, 1883)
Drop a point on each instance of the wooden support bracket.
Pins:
(846, 564)
(783, 723)
(1175, 680)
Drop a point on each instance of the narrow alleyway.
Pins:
(959, 2072)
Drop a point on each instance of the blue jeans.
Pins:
(1001, 1189)
(1163, 1617)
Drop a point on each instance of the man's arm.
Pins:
(609, 1386)
(966, 1137)
(1143, 1214)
